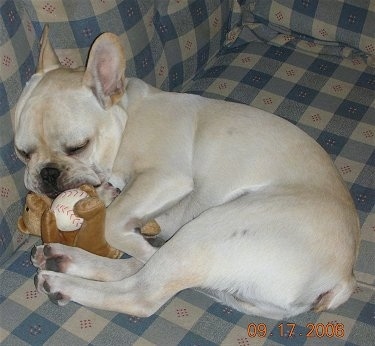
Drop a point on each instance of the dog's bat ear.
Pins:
(105, 72)
(48, 59)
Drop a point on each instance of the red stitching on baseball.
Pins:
(65, 193)
(73, 192)
(70, 214)
(64, 210)
(67, 210)
(76, 221)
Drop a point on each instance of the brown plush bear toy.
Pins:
(38, 219)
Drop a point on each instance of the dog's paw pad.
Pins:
(46, 257)
(56, 264)
(42, 284)
(58, 298)
(46, 287)
(47, 250)
(33, 252)
(38, 257)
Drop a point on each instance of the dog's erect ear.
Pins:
(105, 72)
(48, 59)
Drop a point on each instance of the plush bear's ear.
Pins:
(105, 72)
(48, 59)
(22, 226)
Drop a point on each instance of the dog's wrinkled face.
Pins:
(57, 133)
(66, 129)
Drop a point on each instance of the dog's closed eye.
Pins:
(23, 154)
(74, 150)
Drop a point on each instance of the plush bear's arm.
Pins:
(49, 230)
(88, 207)
(92, 210)
(89, 189)
(91, 235)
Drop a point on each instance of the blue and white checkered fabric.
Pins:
(270, 54)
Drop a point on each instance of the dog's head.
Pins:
(69, 122)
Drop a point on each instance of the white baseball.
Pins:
(63, 207)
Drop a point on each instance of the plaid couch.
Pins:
(307, 61)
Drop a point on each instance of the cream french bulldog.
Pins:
(252, 210)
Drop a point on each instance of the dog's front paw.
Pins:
(50, 257)
(107, 193)
(50, 283)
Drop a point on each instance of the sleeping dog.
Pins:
(251, 209)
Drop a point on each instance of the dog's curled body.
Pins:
(251, 208)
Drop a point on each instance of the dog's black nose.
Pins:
(49, 176)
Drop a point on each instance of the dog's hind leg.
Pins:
(80, 263)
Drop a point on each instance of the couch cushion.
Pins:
(18, 46)
(166, 42)
(331, 27)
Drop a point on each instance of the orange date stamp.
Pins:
(289, 330)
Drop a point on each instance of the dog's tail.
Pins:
(336, 296)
